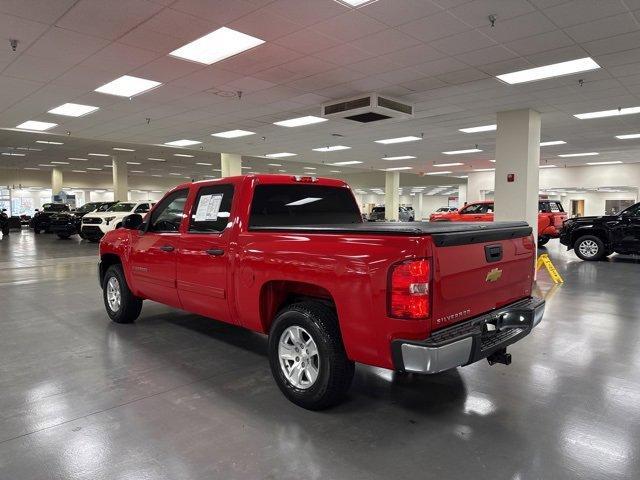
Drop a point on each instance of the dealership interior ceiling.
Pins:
(439, 56)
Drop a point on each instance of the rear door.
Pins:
(153, 252)
(204, 255)
(479, 212)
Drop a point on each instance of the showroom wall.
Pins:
(429, 202)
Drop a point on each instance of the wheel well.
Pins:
(601, 234)
(106, 261)
(277, 294)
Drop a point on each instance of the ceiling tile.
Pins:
(415, 55)
(307, 41)
(37, 68)
(433, 27)
(462, 42)
(119, 58)
(384, 42)
(476, 13)
(344, 55)
(306, 13)
(582, 11)
(349, 26)
(398, 12)
(36, 10)
(618, 43)
(179, 25)
(540, 43)
(462, 76)
(264, 25)
(219, 12)
(602, 28)
(520, 27)
(486, 56)
(58, 43)
(437, 67)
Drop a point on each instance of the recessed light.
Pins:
(156, 159)
(137, 171)
(274, 164)
(31, 168)
(628, 137)
(156, 175)
(484, 169)
(333, 148)
(34, 125)
(608, 113)
(13, 154)
(73, 110)
(438, 173)
(461, 152)
(78, 171)
(49, 142)
(548, 166)
(300, 121)
(492, 161)
(604, 163)
(134, 163)
(389, 141)
(453, 164)
(94, 168)
(204, 164)
(342, 164)
(77, 158)
(182, 143)
(280, 155)
(217, 45)
(45, 165)
(394, 169)
(549, 71)
(401, 157)
(99, 154)
(186, 155)
(585, 154)
(310, 168)
(178, 174)
(127, 86)
(233, 134)
(482, 128)
(120, 149)
(59, 163)
(108, 166)
(335, 171)
(553, 142)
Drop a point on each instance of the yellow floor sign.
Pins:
(545, 261)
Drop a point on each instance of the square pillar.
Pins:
(56, 181)
(462, 195)
(518, 154)
(391, 196)
(120, 180)
(231, 164)
(418, 206)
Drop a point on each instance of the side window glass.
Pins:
(142, 208)
(212, 209)
(168, 216)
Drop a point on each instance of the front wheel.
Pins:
(589, 248)
(307, 357)
(121, 304)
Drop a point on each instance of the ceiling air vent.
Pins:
(367, 109)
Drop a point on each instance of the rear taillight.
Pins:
(409, 289)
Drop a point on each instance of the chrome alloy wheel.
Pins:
(299, 357)
(114, 297)
(588, 248)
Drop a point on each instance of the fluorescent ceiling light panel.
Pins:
(13, 154)
(127, 86)
(49, 143)
(461, 152)
(99, 154)
(303, 201)
(553, 142)
(233, 134)
(608, 113)
(585, 154)
(120, 149)
(401, 157)
(300, 121)
(335, 171)
(482, 128)
(342, 164)
(217, 45)
(156, 159)
(60, 163)
(454, 164)
(204, 164)
(73, 110)
(628, 137)
(34, 125)
(280, 155)
(182, 143)
(389, 141)
(484, 169)
(309, 168)
(274, 164)
(182, 155)
(77, 158)
(550, 71)
(94, 168)
(356, 3)
(548, 166)
(438, 173)
(393, 169)
(74, 171)
(134, 163)
(604, 163)
(31, 168)
(333, 148)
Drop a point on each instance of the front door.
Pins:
(204, 254)
(629, 230)
(153, 251)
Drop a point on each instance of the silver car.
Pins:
(405, 214)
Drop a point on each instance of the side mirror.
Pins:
(132, 222)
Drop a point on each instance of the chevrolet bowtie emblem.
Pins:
(494, 275)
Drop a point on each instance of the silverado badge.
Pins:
(494, 275)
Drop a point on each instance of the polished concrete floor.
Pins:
(177, 396)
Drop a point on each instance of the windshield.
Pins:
(87, 207)
(122, 207)
(632, 211)
(54, 207)
(104, 207)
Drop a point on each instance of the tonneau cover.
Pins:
(443, 233)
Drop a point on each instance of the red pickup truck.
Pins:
(290, 257)
(550, 217)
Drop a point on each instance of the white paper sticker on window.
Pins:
(208, 208)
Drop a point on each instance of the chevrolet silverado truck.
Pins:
(551, 216)
(595, 238)
(290, 257)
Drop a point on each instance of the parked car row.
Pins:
(405, 214)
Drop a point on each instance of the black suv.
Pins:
(65, 224)
(593, 238)
(42, 219)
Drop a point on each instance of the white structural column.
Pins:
(56, 181)
(518, 155)
(231, 164)
(391, 195)
(462, 195)
(418, 206)
(120, 181)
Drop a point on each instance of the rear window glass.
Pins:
(290, 205)
(548, 207)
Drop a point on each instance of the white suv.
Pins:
(96, 224)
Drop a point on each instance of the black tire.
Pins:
(119, 225)
(130, 305)
(63, 236)
(587, 244)
(5, 229)
(542, 241)
(335, 370)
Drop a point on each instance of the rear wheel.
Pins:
(122, 305)
(589, 248)
(543, 240)
(307, 357)
(5, 229)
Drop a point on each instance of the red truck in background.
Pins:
(290, 257)
(551, 216)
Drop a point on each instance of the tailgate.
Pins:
(473, 278)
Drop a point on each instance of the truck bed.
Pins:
(443, 233)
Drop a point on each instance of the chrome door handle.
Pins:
(167, 248)
(215, 252)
